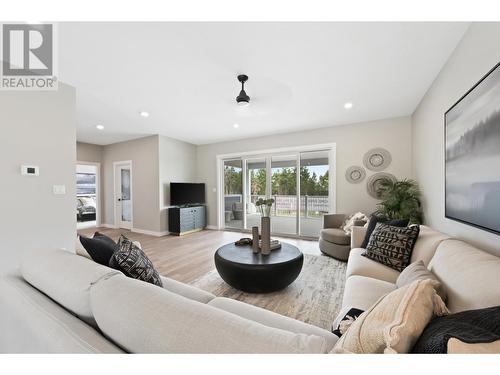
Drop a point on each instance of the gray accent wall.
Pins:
(352, 141)
(143, 153)
(89, 152)
(474, 56)
(156, 161)
(38, 128)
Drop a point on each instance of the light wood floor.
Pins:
(188, 257)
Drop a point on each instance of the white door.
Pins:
(123, 195)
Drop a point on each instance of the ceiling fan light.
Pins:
(242, 99)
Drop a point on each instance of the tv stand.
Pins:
(186, 219)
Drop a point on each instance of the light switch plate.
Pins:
(30, 170)
(59, 189)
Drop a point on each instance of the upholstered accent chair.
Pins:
(333, 240)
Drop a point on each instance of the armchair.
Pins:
(334, 241)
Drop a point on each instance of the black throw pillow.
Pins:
(100, 247)
(134, 263)
(374, 220)
(392, 246)
(472, 327)
(353, 313)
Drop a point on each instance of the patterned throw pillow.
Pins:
(133, 262)
(392, 246)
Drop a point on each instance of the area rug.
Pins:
(315, 297)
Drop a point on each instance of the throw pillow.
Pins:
(392, 246)
(352, 220)
(134, 263)
(455, 346)
(347, 321)
(80, 250)
(418, 271)
(395, 322)
(374, 220)
(100, 247)
(471, 326)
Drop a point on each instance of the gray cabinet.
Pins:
(183, 220)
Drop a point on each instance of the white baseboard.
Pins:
(211, 227)
(150, 232)
(111, 226)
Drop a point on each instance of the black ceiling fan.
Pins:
(242, 99)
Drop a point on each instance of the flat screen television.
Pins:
(182, 193)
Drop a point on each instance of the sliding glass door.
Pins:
(233, 194)
(284, 192)
(297, 181)
(314, 191)
(256, 187)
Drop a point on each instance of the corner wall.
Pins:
(474, 56)
(352, 142)
(143, 153)
(38, 128)
(177, 163)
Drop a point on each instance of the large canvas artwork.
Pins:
(472, 128)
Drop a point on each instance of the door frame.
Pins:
(115, 198)
(98, 215)
(245, 155)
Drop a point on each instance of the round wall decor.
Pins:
(373, 183)
(355, 174)
(377, 159)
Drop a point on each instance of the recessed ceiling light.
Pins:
(100, 127)
(144, 114)
(236, 126)
(348, 105)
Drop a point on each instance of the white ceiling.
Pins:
(300, 75)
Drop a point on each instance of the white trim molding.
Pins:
(98, 202)
(331, 148)
(212, 227)
(115, 212)
(150, 232)
(110, 226)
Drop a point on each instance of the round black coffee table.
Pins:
(256, 273)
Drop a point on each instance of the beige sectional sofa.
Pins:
(65, 303)
(471, 276)
(60, 302)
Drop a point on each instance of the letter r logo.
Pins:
(27, 50)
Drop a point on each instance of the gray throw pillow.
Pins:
(418, 271)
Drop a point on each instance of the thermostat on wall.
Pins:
(30, 170)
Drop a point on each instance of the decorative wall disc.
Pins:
(377, 159)
(355, 174)
(373, 183)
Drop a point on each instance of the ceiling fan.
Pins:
(242, 99)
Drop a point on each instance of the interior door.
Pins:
(123, 196)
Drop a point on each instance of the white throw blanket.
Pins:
(349, 222)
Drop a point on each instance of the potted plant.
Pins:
(264, 206)
(400, 200)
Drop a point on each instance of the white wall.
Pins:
(352, 142)
(177, 163)
(476, 54)
(38, 128)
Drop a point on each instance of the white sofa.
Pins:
(471, 276)
(64, 303)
